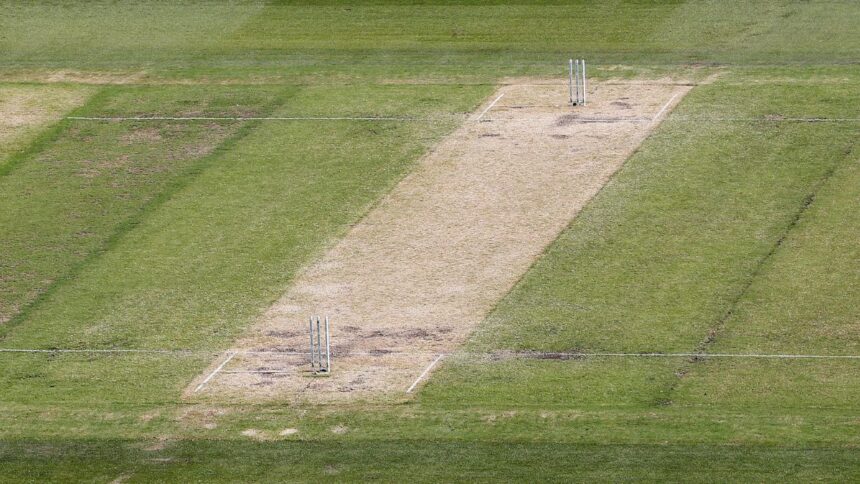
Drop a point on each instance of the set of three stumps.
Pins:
(319, 338)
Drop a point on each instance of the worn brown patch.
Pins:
(194, 417)
(24, 110)
(141, 135)
(160, 443)
(259, 435)
(72, 76)
(415, 277)
(148, 416)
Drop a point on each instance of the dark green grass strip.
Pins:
(146, 419)
(417, 461)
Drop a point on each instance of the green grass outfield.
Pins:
(733, 229)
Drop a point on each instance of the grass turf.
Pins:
(396, 460)
(673, 247)
(715, 216)
(436, 41)
(223, 247)
(560, 404)
(29, 109)
(81, 186)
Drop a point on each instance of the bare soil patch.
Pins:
(421, 271)
(142, 135)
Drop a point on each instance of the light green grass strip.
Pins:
(660, 256)
(196, 272)
(805, 299)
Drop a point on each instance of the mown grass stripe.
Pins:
(714, 332)
(171, 188)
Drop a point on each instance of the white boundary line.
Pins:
(204, 382)
(489, 107)
(422, 375)
(241, 118)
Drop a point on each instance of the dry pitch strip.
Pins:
(409, 283)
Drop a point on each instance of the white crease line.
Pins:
(426, 370)
(240, 118)
(770, 120)
(489, 107)
(689, 355)
(665, 107)
(344, 118)
(523, 354)
(583, 120)
(24, 350)
(259, 372)
(537, 355)
(204, 382)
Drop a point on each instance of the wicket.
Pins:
(318, 365)
(576, 82)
